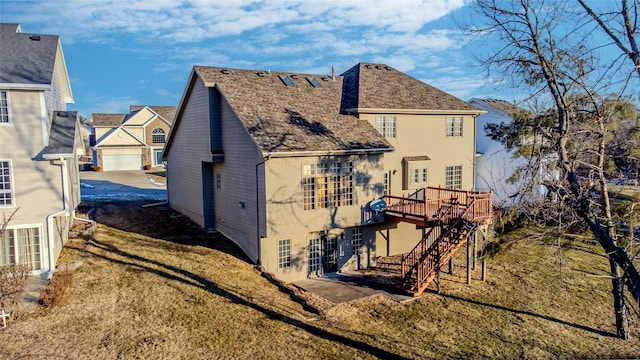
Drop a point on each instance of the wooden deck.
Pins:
(430, 206)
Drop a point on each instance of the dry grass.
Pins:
(155, 286)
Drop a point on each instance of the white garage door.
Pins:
(121, 162)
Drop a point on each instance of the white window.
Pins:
(284, 253)
(4, 108)
(21, 246)
(6, 187)
(157, 136)
(327, 185)
(454, 125)
(356, 239)
(454, 177)
(386, 125)
(419, 176)
(314, 256)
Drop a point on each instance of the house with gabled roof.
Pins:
(130, 141)
(39, 151)
(294, 167)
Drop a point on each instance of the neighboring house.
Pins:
(496, 165)
(286, 164)
(39, 152)
(131, 141)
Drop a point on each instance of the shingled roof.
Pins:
(501, 105)
(298, 117)
(166, 112)
(108, 120)
(26, 59)
(378, 86)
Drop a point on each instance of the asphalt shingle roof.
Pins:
(62, 134)
(502, 105)
(285, 118)
(378, 86)
(26, 58)
(108, 120)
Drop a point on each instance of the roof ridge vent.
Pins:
(224, 71)
(378, 67)
(368, 66)
(260, 73)
(35, 37)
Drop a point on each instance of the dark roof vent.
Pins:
(293, 76)
(387, 67)
(63, 114)
(260, 73)
(378, 67)
(368, 66)
(35, 37)
(325, 78)
(224, 71)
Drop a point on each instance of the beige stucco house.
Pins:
(130, 141)
(39, 151)
(286, 164)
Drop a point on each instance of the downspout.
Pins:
(50, 217)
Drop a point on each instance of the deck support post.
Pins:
(438, 281)
(451, 266)
(484, 269)
(475, 249)
(468, 262)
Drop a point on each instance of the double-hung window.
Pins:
(454, 125)
(386, 125)
(4, 109)
(284, 253)
(453, 177)
(6, 187)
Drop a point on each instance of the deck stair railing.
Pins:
(421, 265)
(456, 213)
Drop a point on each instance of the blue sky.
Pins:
(124, 52)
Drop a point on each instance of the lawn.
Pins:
(153, 285)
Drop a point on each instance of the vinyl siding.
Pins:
(238, 176)
(189, 149)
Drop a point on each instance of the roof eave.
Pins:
(19, 86)
(283, 154)
(414, 111)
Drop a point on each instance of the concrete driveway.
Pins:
(120, 186)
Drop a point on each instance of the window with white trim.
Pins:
(284, 253)
(6, 188)
(454, 125)
(418, 176)
(453, 177)
(314, 256)
(21, 246)
(4, 108)
(386, 125)
(157, 136)
(356, 240)
(327, 185)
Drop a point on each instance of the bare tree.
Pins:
(543, 46)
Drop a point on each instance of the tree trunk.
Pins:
(622, 323)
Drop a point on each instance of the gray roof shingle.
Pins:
(284, 118)
(378, 86)
(26, 58)
(62, 137)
